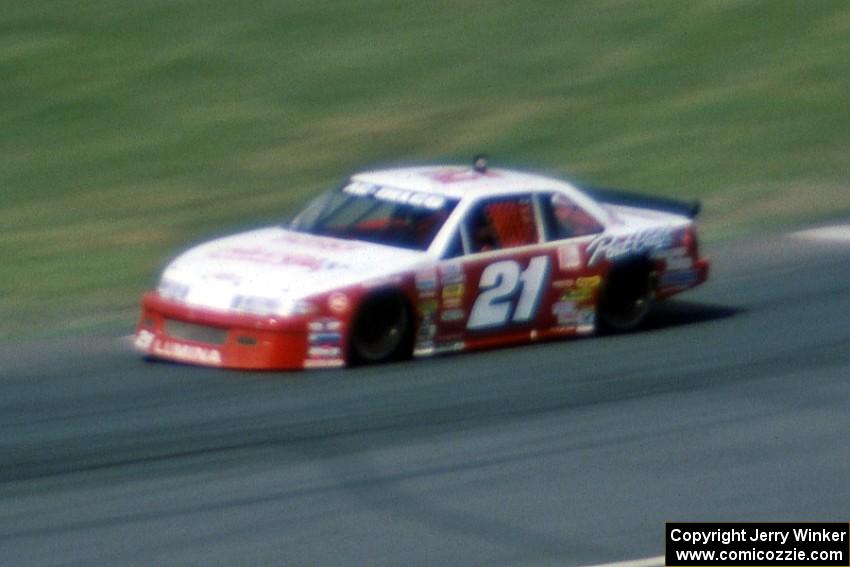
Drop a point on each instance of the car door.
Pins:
(497, 286)
(518, 270)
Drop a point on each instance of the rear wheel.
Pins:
(626, 296)
(382, 330)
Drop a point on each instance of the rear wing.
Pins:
(608, 196)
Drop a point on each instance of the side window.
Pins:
(502, 223)
(565, 219)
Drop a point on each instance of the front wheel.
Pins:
(626, 296)
(382, 330)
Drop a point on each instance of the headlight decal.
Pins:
(170, 289)
(253, 304)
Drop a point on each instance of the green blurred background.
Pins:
(131, 129)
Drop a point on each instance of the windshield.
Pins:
(385, 215)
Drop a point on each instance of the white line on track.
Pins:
(834, 233)
(657, 561)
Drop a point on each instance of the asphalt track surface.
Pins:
(734, 405)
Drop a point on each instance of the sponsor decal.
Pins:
(188, 353)
(454, 291)
(679, 278)
(569, 257)
(324, 324)
(579, 294)
(586, 321)
(429, 294)
(427, 330)
(325, 338)
(338, 302)
(612, 247)
(426, 282)
(452, 303)
(588, 281)
(324, 351)
(675, 258)
(260, 255)
(564, 308)
(452, 274)
(565, 313)
(570, 316)
(452, 315)
(560, 284)
(427, 307)
(395, 195)
(318, 242)
(679, 263)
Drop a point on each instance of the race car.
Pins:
(423, 260)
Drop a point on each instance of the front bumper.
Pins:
(175, 331)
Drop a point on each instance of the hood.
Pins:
(269, 270)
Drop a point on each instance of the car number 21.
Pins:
(508, 295)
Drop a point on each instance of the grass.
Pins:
(128, 129)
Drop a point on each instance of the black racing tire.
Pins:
(626, 296)
(382, 330)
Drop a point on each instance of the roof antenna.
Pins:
(479, 163)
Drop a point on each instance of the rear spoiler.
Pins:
(608, 196)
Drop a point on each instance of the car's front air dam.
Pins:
(175, 331)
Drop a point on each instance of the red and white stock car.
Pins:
(418, 261)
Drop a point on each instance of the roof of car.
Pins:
(460, 181)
